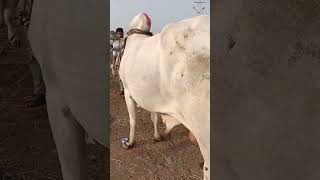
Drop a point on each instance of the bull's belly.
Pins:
(150, 96)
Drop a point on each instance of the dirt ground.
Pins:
(147, 159)
(27, 149)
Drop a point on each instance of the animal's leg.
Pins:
(131, 105)
(155, 119)
(69, 138)
(170, 123)
(203, 138)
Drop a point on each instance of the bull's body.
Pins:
(169, 74)
(70, 48)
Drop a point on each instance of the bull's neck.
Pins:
(138, 31)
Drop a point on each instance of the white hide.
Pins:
(169, 73)
(71, 51)
(69, 43)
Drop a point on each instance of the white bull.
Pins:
(169, 74)
(71, 49)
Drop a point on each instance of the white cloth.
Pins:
(118, 45)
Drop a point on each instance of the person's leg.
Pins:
(39, 87)
(38, 98)
(119, 79)
(1, 12)
(120, 86)
(9, 14)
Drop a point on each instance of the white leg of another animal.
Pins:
(170, 123)
(69, 138)
(155, 117)
(131, 105)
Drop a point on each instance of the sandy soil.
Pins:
(148, 159)
(27, 149)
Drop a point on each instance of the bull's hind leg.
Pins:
(69, 138)
(131, 105)
(170, 123)
(155, 119)
(203, 138)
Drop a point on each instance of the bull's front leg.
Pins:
(69, 138)
(131, 105)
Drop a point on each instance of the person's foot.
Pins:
(36, 100)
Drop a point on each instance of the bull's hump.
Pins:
(186, 36)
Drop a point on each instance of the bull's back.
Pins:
(69, 42)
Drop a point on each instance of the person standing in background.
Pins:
(17, 35)
(118, 47)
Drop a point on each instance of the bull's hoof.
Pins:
(125, 143)
(126, 146)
